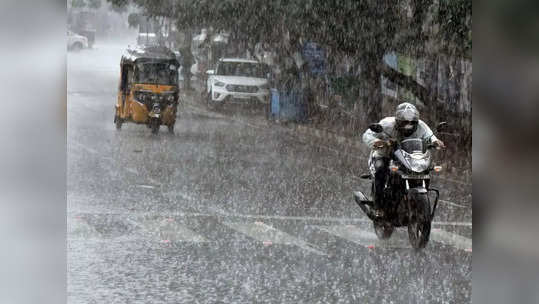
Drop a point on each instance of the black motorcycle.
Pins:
(407, 193)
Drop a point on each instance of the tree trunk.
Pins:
(372, 103)
(187, 60)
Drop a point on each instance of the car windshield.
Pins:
(156, 73)
(244, 69)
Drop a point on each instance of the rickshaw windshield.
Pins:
(156, 73)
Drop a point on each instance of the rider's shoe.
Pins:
(379, 213)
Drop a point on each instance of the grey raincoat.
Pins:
(369, 137)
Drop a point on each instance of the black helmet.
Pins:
(406, 118)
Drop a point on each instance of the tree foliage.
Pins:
(93, 4)
(363, 29)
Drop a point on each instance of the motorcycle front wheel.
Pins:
(420, 221)
(383, 230)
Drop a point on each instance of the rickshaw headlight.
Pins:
(140, 96)
(170, 98)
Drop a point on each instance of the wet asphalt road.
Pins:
(227, 211)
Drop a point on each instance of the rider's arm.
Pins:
(370, 137)
(428, 135)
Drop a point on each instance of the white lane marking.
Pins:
(87, 149)
(90, 150)
(145, 186)
(134, 171)
(173, 194)
(79, 229)
(453, 239)
(269, 235)
(168, 230)
(455, 181)
(221, 213)
(452, 204)
(364, 237)
(465, 224)
(154, 181)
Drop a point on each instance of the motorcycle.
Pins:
(407, 192)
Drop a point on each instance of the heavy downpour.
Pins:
(253, 151)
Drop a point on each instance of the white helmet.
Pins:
(406, 118)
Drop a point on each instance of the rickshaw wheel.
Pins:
(155, 127)
(118, 121)
(171, 128)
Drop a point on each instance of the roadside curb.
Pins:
(324, 135)
(346, 147)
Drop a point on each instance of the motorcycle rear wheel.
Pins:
(420, 222)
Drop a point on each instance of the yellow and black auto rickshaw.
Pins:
(148, 92)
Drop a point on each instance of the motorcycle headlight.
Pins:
(419, 162)
(219, 84)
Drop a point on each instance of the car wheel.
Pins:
(77, 46)
(209, 101)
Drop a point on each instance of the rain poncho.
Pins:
(369, 137)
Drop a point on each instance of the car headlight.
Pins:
(219, 84)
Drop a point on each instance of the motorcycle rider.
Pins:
(405, 124)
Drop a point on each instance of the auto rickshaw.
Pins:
(148, 92)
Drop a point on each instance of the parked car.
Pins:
(76, 42)
(145, 39)
(237, 79)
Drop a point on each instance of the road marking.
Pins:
(452, 239)
(364, 237)
(465, 224)
(134, 171)
(146, 186)
(154, 181)
(222, 214)
(87, 149)
(455, 181)
(452, 204)
(367, 238)
(90, 150)
(268, 235)
(173, 194)
(168, 230)
(79, 229)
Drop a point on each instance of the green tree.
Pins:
(366, 30)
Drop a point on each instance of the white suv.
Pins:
(76, 42)
(238, 80)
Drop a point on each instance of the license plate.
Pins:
(415, 176)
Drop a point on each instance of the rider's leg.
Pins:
(381, 165)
